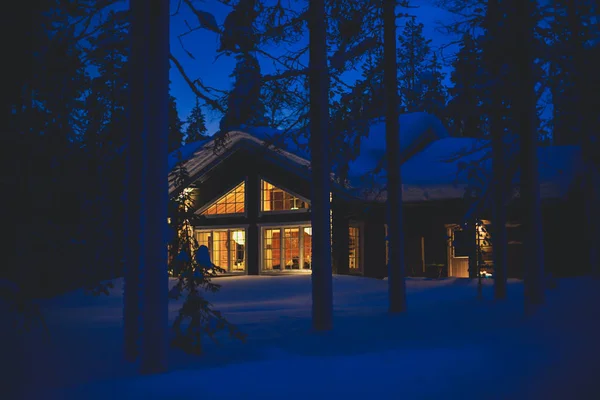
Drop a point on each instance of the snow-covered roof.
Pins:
(417, 131)
(199, 157)
(440, 171)
(433, 163)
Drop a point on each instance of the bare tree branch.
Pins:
(193, 85)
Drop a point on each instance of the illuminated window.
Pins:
(226, 247)
(230, 203)
(276, 199)
(354, 248)
(287, 248)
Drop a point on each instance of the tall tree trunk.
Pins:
(585, 81)
(396, 268)
(146, 269)
(525, 98)
(322, 296)
(133, 184)
(495, 42)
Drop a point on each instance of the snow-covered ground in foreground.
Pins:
(448, 345)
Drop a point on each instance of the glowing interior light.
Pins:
(238, 237)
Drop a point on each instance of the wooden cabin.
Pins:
(251, 192)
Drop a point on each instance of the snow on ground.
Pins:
(448, 345)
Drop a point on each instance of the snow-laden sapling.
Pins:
(191, 265)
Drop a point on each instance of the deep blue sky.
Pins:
(215, 71)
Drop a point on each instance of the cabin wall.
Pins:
(565, 249)
(340, 242)
(374, 262)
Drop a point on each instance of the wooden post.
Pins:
(253, 236)
(423, 253)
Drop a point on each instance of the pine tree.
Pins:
(191, 265)
(465, 107)
(244, 101)
(108, 53)
(175, 126)
(372, 99)
(196, 125)
(413, 52)
(434, 95)
(567, 36)
(103, 140)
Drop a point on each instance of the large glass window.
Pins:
(276, 199)
(233, 202)
(354, 249)
(226, 247)
(287, 248)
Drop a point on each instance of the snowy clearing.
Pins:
(448, 345)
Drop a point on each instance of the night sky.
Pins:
(215, 71)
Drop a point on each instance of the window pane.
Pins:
(231, 203)
(276, 199)
(220, 257)
(291, 245)
(237, 247)
(307, 249)
(205, 239)
(272, 250)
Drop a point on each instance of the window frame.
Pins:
(229, 229)
(281, 227)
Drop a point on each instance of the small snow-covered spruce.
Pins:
(190, 264)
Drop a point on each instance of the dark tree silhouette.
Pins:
(412, 56)
(244, 102)
(465, 110)
(396, 266)
(492, 56)
(521, 19)
(196, 125)
(146, 279)
(175, 126)
(322, 296)
(434, 97)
